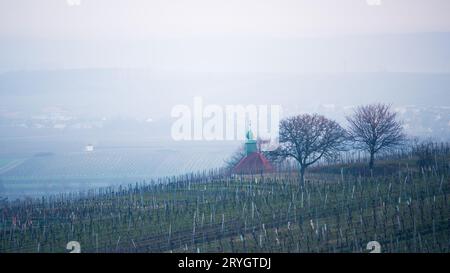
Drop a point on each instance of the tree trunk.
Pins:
(302, 175)
(372, 161)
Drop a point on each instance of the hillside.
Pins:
(408, 211)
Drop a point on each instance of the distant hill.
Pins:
(135, 93)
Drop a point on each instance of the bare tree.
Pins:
(375, 128)
(308, 138)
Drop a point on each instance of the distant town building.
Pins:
(89, 148)
(254, 161)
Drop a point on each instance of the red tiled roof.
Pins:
(252, 164)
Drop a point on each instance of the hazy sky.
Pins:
(226, 35)
(121, 19)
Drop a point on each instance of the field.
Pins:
(54, 173)
(406, 210)
(7, 164)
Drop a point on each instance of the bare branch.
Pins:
(375, 128)
(309, 138)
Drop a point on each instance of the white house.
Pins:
(89, 148)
